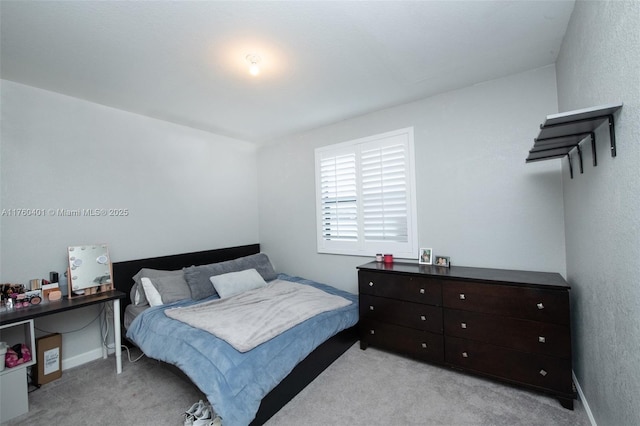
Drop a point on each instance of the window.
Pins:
(365, 192)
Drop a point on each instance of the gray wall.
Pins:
(478, 201)
(186, 190)
(599, 63)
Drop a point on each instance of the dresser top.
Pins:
(541, 279)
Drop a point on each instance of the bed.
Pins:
(243, 387)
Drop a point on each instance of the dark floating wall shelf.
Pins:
(561, 133)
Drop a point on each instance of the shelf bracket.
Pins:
(612, 135)
(580, 157)
(593, 149)
(570, 165)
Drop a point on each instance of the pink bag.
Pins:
(17, 354)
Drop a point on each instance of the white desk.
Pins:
(13, 381)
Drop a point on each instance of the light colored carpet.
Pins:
(369, 387)
(373, 387)
(145, 393)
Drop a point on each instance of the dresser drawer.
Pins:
(513, 301)
(407, 314)
(523, 335)
(415, 343)
(412, 288)
(520, 367)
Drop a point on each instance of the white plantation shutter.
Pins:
(384, 193)
(339, 209)
(365, 196)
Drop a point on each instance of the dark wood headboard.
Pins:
(123, 272)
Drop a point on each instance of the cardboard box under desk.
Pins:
(49, 357)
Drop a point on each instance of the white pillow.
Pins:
(137, 298)
(237, 282)
(153, 296)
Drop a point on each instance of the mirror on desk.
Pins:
(89, 270)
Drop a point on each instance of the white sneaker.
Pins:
(215, 422)
(190, 414)
(203, 418)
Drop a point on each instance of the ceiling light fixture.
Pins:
(253, 60)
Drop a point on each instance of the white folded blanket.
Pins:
(256, 316)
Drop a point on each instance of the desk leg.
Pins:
(116, 334)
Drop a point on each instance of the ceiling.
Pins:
(322, 61)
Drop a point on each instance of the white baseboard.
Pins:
(78, 360)
(585, 404)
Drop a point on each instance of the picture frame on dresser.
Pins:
(442, 261)
(425, 256)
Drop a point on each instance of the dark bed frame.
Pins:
(303, 374)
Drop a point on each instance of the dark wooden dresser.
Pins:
(508, 325)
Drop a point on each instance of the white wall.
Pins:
(599, 63)
(478, 201)
(185, 190)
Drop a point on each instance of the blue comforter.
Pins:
(235, 382)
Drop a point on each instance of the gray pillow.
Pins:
(198, 277)
(152, 273)
(172, 288)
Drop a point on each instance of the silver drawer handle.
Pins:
(540, 305)
(541, 339)
(543, 373)
(463, 325)
(423, 318)
(465, 355)
(370, 283)
(370, 307)
(424, 345)
(372, 331)
(422, 291)
(462, 296)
